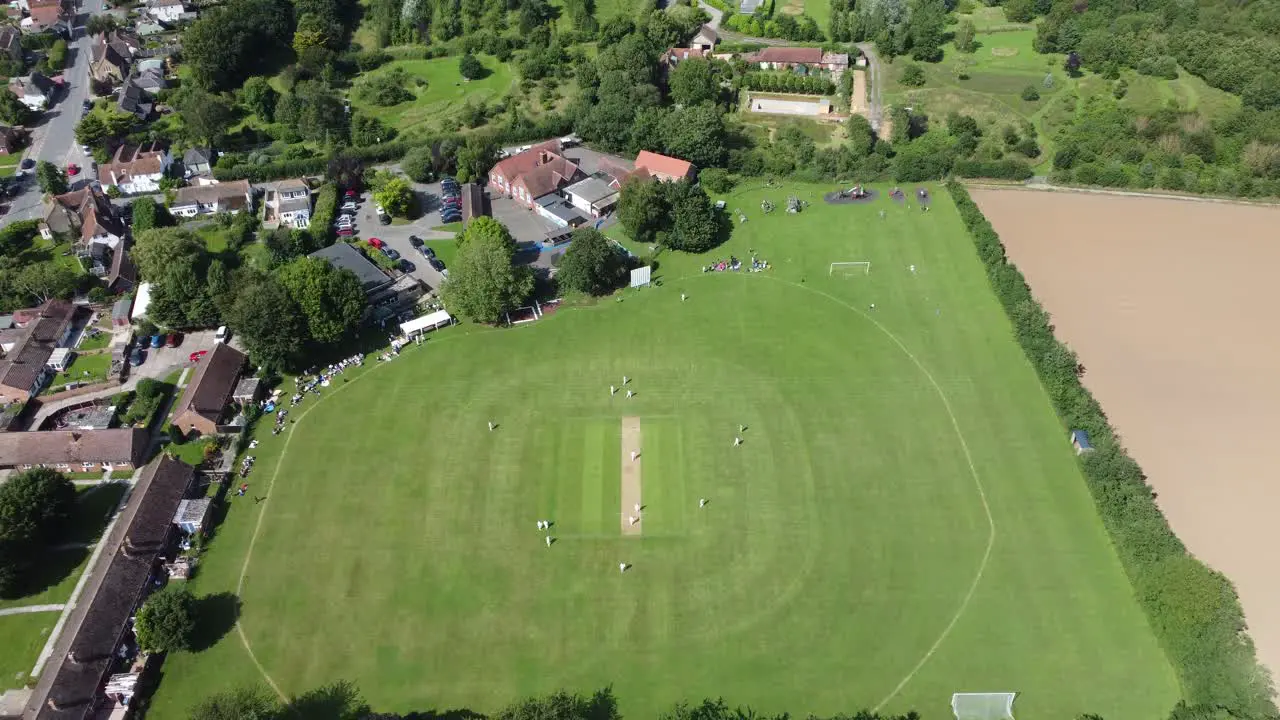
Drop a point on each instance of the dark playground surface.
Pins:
(840, 198)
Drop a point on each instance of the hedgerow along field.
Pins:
(904, 518)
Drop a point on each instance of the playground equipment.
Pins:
(793, 204)
(766, 206)
(856, 193)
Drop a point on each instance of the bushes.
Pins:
(322, 217)
(1193, 610)
(1008, 169)
(912, 75)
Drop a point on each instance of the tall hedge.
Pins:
(1193, 610)
(323, 215)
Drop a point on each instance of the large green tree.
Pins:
(12, 111)
(694, 229)
(52, 179)
(229, 42)
(148, 215)
(476, 157)
(419, 164)
(259, 98)
(166, 620)
(593, 264)
(101, 125)
(34, 506)
(332, 299)
(487, 230)
(693, 82)
(269, 322)
(642, 209)
(44, 281)
(245, 703)
(395, 196)
(205, 116)
(697, 134)
(483, 283)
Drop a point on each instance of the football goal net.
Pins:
(983, 706)
(860, 267)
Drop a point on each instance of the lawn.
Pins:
(445, 90)
(86, 369)
(9, 164)
(904, 520)
(22, 637)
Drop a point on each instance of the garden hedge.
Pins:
(1193, 609)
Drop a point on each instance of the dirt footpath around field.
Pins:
(1171, 306)
(631, 476)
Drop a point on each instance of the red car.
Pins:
(345, 232)
(195, 356)
(376, 243)
(73, 169)
(174, 339)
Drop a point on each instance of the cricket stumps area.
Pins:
(631, 477)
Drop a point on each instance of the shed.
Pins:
(426, 322)
(120, 311)
(247, 390)
(1080, 441)
(191, 515)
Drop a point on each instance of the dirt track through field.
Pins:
(1170, 305)
(631, 476)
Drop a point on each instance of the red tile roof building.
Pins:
(663, 167)
(538, 171)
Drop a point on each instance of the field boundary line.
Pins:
(266, 503)
(973, 471)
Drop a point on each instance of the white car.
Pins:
(379, 211)
(349, 206)
(222, 335)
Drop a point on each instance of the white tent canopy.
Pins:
(426, 322)
(983, 706)
(141, 302)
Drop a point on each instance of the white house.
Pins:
(168, 11)
(35, 90)
(228, 197)
(289, 204)
(136, 169)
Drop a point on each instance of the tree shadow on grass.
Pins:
(215, 616)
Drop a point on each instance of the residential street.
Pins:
(53, 135)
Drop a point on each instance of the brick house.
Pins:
(791, 58)
(539, 171)
(205, 399)
(87, 213)
(664, 167)
(136, 169)
(112, 55)
(75, 450)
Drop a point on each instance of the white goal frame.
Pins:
(983, 706)
(865, 265)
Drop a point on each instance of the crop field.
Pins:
(902, 519)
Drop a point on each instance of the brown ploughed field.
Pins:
(1172, 308)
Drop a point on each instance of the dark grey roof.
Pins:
(197, 156)
(343, 255)
(80, 673)
(561, 208)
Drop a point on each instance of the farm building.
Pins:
(705, 39)
(806, 58)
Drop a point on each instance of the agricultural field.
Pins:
(903, 519)
(438, 90)
(1180, 373)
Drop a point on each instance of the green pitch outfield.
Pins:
(903, 519)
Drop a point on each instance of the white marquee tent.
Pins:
(426, 322)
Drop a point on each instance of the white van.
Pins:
(222, 335)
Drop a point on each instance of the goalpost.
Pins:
(983, 706)
(860, 267)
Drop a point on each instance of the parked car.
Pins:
(27, 164)
(137, 357)
(451, 217)
(157, 341)
(350, 194)
(426, 251)
(378, 209)
(345, 232)
(375, 242)
(174, 339)
(222, 335)
(73, 169)
(415, 241)
(384, 219)
(195, 356)
(436, 263)
(405, 266)
(344, 221)
(391, 253)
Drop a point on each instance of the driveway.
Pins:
(159, 363)
(53, 137)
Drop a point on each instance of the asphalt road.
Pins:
(53, 138)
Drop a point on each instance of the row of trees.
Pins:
(1193, 609)
(789, 82)
(898, 27)
(342, 701)
(35, 506)
(675, 215)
